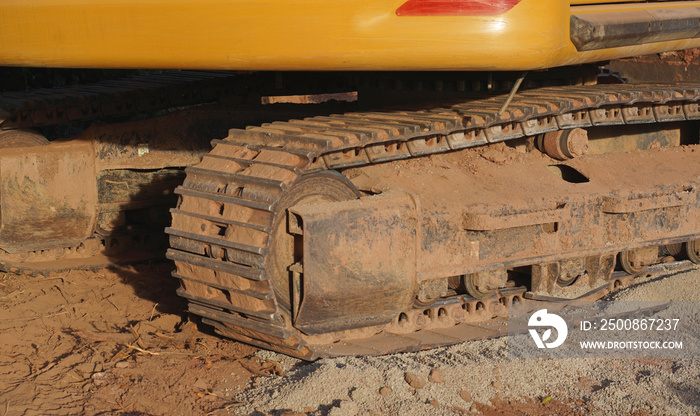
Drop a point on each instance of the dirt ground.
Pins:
(116, 342)
(110, 343)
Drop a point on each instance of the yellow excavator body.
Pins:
(319, 35)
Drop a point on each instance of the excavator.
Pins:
(486, 157)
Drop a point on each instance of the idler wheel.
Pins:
(21, 138)
(692, 249)
(285, 249)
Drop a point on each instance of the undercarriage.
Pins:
(376, 232)
(349, 230)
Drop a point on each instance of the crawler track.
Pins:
(148, 93)
(145, 93)
(221, 228)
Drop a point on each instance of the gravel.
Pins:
(476, 372)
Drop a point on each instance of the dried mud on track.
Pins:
(117, 343)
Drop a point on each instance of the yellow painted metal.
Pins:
(293, 35)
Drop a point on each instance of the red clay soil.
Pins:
(113, 342)
(542, 407)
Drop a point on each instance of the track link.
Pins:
(92, 254)
(220, 235)
(144, 93)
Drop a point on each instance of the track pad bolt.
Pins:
(499, 309)
(459, 315)
(421, 320)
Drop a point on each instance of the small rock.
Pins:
(122, 364)
(436, 376)
(385, 391)
(435, 403)
(309, 410)
(100, 378)
(465, 395)
(414, 380)
(293, 414)
(497, 385)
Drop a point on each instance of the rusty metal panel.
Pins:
(626, 201)
(614, 29)
(444, 248)
(490, 221)
(621, 205)
(48, 196)
(357, 254)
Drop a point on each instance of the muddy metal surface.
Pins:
(233, 255)
(117, 343)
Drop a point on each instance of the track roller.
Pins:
(483, 285)
(637, 261)
(693, 251)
